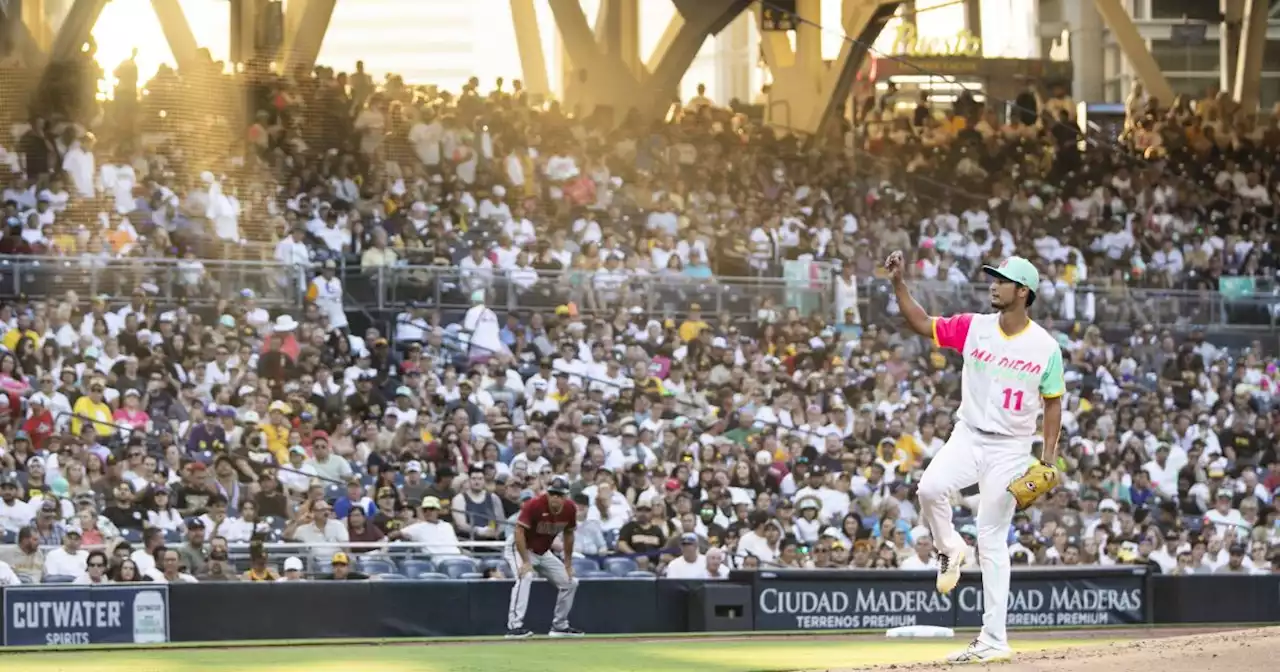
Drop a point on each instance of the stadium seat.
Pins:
(498, 563)
(372, 566)
(367, 480)
(593, 574)
(8, 537)
(333, 492)
(456, 566)
(433, 576)
(416, 566)
(58, 578)
(640, 574)
(584, 565)
(620, 566)
(388, 576)
(23, 578)
(172, 537)
(471, 576)
(275, 522)
(131, 535)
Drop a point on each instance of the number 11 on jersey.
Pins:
(1012, 399)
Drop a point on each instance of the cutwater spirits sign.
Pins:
(839, 601)
(74, 615)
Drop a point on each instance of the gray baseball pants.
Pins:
(550, 568)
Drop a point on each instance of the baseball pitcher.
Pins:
(1012, 373)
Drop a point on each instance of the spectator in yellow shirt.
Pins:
(11, 337)
(691, 327)
(91, 407)
(276, 430)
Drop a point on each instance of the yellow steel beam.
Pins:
(533, 61)
(1135, 49)
(1253, 40)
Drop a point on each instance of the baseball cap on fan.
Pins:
(559, 486)
(1018, 271)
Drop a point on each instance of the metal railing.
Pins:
(450, 287)
(198, 282)
(1115, 306)
(811, 291)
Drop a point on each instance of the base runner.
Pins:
(541, 520)
(1012, 372)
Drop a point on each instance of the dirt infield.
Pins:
(1162, 651)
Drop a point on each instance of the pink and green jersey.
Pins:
(1005, 378)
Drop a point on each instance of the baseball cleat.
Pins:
(519, 633)
(949, 571)
(566, 631)
(978, 653)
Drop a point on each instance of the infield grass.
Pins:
(537, 655)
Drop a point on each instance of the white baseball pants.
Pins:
(550, 568)
(992, 461)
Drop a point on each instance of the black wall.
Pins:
(247, 611)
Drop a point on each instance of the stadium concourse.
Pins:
(344, 332)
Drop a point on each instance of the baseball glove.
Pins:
(1027, 488)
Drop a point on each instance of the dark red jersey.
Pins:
(541, 526)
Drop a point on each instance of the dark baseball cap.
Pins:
(558, 486)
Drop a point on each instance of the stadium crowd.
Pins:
(183, 444)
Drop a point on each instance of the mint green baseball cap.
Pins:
(1018, 271)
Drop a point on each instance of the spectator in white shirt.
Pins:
(609, 507)
(293, 251)
(67, 559)
(690, 564)
(171, 572)
(296, 480)
(492, 206)
(532, 459)
(14, 513)
(95, 571)
(8, 577)
(317, 526)
(923, 558)
(436, 536)
(761, 542)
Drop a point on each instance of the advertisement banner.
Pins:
(67, 615)
(850, 605)
(1035, 602)
(873, 604)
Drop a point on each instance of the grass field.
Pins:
(538, 655)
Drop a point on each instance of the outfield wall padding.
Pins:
(775, 601)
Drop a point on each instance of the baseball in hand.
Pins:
(894, 265)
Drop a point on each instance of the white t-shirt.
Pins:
(754, 544)
(914, 562)
(59, 562)
(7, 576)
(438, 537)
(158, 577)
(16, 515)
(683, 569)
(1005, 378)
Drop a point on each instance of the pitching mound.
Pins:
(1237, 651)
